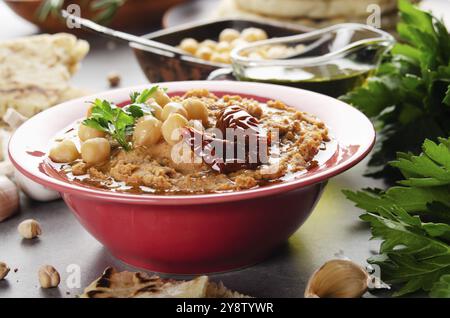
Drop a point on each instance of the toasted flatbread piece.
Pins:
(35, 71)
(314, 9)
(113, 284)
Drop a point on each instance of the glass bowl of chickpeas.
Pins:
(207, 47)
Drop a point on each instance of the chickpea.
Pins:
(85, 133)
(276, 52)
(161, 97)
(229, 35)
(196, 109)
(209, 44)
(147, 131)
(155, 108)
(255, 56)
(254, 34)
(171, 128)
(204, 53)
(223, 47)
(95, 150)
(221, 58)
(173, 107)
(189, 45)
(64, 152)
(238, 43)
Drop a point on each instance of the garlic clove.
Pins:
(338, 278)
(9, 198)
(5, 135)
(13, 118)
(6, 169)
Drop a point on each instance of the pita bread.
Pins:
(35, 71)
(229, 9)
(113, 284)
(314, 9)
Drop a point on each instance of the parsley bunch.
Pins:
(119, 122)
(409, 96)
(412, 220)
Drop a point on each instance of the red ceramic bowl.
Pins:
(190, 234)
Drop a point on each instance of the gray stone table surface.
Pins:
(333, 227)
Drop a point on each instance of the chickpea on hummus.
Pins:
(191, 144)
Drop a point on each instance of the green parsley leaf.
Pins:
(441, 289)
(413, 221)
(119, 122)
(409, 96)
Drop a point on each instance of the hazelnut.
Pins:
(48, 277)
(29, 229)
(114, 79)
(4, 270)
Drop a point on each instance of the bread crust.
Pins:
(314, 9)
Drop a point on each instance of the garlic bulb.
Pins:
(9, 198)
(338, 278)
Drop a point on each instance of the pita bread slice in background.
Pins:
(314, 9)
(114, 284)
(230, 9)
(35, 71)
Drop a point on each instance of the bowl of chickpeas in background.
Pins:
(207, 47)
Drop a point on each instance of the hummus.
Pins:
(294, 140)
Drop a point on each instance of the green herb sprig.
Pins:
(105, 9)
(409, 97)
(412, 220)
(119, 122)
